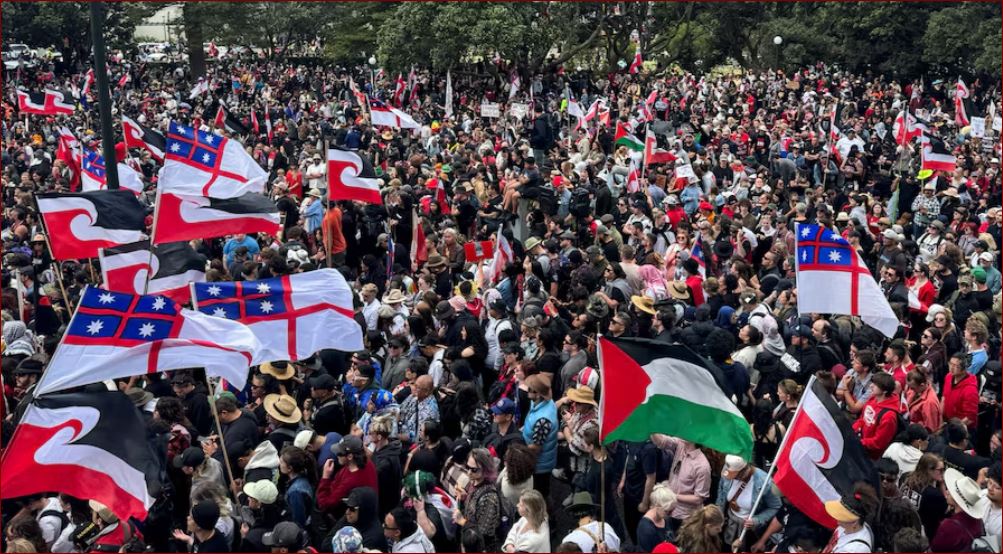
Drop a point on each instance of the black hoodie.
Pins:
(369, 523)
(388, 475)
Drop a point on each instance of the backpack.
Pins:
(901, 420)
(64, 520)
(984, 543)
(548, 200)
(581, 202)
(507, 514)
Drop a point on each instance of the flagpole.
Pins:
(773, 466)
(153, 230)
(602, 463)
(56, 263)
(219, 427)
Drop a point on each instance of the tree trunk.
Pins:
(193, 32)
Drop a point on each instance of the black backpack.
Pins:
(901, 420)
(547, 200)
(581, 201)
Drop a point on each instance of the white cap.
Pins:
(303, 438)
(734, 463)
(263, 491)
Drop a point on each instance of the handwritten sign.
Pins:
(490, 110)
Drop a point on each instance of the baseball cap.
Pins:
(348, 445)
(979, 274)
(206, 514)
(263, 491)
(505, 406)
(183, 378)
(303, 438)
(324, 381)
(191, 457)
(285, 533)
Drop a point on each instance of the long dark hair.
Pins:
(300, 463)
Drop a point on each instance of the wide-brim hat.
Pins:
(139, 397)
(644, 303)
(443, 310)
(283, 408)
(395, 296)
(723, 250)
(597, 307)
(967, 494)
(531, 243)
(582, 504)
(280, 373)
(679, 290)
(435, 261)
(839, 511)
(582, 395)
(387, 134)
(315, 193)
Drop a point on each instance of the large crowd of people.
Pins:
(470, 420)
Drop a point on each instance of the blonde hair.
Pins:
(20, 545)
(536, 507)
(663, 497)
(694, 534)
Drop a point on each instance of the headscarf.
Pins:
(347, 539)
(723, 319)
(655, 285)
(18, 339)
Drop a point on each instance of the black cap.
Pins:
(324, 382)
(354, 498)
(191, 457)
(182, 378)
(285, 533)
(29, 366)
(499, 305)
(349, 444)
(205, 514)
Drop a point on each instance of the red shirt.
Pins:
(331, 492)
(695, 284)
(961, 399)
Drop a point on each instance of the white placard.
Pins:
(517, 110)
(978, 127)
(998, 124)
(685, 171)
(490, 110)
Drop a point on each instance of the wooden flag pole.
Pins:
(57, 266)
(222, 442)
(153, 230)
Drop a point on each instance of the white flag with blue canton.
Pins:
(293, 316)
(114, 335)
(833, 279)
(198, 163)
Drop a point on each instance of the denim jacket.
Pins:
(768, 506)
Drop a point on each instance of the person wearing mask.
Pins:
(878, 421)
(689, 477)
(740, 487)
(539, 431)
(967, 506)
(531, 533)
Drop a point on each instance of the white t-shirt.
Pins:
(526, 540)
(861, 541)
(994, 521)
(744, 500)
(587, 543)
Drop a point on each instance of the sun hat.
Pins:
(968, 495)
(281, 370)
(582, 395)
(283, 408)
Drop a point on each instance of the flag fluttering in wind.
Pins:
(624, 136)
(961, 115)
(350, 176)
(140, 136)
(638, 63)
(832, 278)
(48, 102)
(382, 114)
(114, 334)
(292, 316)
(652, 153)
(655, 387)
(94, 177)
(81, 223)
(88, 445)
(935, 156)
(204, 164)
(821, 457)
(167, 270)
(186, 217)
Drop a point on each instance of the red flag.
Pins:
(69, 152)
(399, 90)
(254, 122)
(220, 121)
(476, 251)
(821, 457)
(635, 66)
(960, 111)
(124, 80)
(419, 248)
(268, 125)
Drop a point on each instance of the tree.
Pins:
(964, 38)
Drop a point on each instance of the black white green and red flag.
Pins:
(655, 387)
(624, 136)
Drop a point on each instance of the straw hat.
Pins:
(395, 296)
(679, 290)
(280, 370)
(582, 395)
(644, 303)
(283, 408)
(436, 261)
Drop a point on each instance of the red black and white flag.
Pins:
(68, 151)
(81, 223)
(87, 445)
(480, 250)
(185, 217)
(822, 457)
(133, 269)
(351, 176)
(935, 156)
(140, 136)
(48, 102)
(907, 127)
(226, 120)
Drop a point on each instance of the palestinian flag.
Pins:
(624, 137)
(654, 387)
